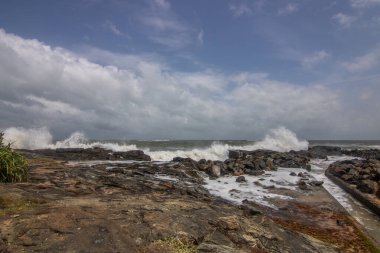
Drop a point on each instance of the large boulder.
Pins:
(366, 186)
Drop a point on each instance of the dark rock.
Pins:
(366, 186)
(234, 154)
(322, 152)
(340, 222)
(241, 179)
(293, 174)
(182, 160)
(347, 177)
(256, 172)
(302, 185)
(316, 183)
(363, 153)
(75, 154)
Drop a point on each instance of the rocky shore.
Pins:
(96, 200)
(361, 178)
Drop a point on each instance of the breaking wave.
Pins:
(279, 139)
(33, 138)
(41, 138)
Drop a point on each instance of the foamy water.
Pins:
(257, 188)
(364, 216)
(279, 139)
(318, 167)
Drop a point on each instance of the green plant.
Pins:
(12, 165)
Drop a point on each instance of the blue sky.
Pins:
(192, 69)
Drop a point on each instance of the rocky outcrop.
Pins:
(364, 153)
(249, 161)
(137, 207)
(322, 152)
(88, 154)
(361, 178)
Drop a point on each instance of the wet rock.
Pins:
(322, 152)
(255, 172)
(266, 160)
(96, 153)
(363, 153)
(366, 186)
(316, 183)
(241, 179)
(302, 185)
(234, 154)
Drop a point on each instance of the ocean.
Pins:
(279, 139)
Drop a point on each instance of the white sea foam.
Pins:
(216, 151)
(280, 139)
(318, 167)
(228, 188)
(79, 140)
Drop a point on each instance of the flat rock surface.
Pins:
(129, 207)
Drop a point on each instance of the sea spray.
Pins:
(216, 151)
(40, 138)
(32, 138)
(279, 139)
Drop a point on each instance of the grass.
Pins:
(168, 245)
(12, 165)
(11, 203)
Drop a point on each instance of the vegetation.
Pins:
(13, 203)
(168, 245)
(12, 165)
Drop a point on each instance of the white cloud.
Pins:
(112, 27)
(200, 37)
(288, 9)
(164, 27)
(364, 3)
(164, 4)
(312, 60)
(53, 106)
(142, 98)
(343, 19)
(163, 23)
(363, 63)
(240, 10)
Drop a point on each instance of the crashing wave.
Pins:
(279, 139)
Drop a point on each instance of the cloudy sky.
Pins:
(191, 69)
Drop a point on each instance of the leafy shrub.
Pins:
(12, 165)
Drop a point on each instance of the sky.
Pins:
(191, 69)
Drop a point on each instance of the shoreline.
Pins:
(167, 195)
